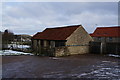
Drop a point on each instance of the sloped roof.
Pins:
(58, 33)
(107, 32)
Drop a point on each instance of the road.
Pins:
(89, 66)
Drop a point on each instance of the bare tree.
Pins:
(7, 38)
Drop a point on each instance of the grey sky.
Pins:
(32, 17)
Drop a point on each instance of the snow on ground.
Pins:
(102, 69)
(105, 70)
(113, 55)
(11, 52)
(18, 46)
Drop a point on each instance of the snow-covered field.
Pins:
(14, 46)
(11, 52)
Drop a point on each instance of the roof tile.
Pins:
(107, 32)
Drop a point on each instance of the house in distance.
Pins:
(60, 41)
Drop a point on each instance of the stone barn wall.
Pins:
(78, 41)
(78, 49)
(79, 37)
(62, 51)
(71, 50)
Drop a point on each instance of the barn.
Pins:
(106, 40)
(61, 41)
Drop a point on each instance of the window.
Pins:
(110, 38)
(59, 43)
(99, 38)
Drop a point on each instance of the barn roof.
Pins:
(58, 33)
(107, 32)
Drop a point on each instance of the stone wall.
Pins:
(62, 51)
(78, 41)
(71, 50)
(79, 37)
(78, 49)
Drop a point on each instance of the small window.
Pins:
(99, 38)
(59, 43)
(110, 38)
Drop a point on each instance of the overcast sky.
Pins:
(32, 17)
